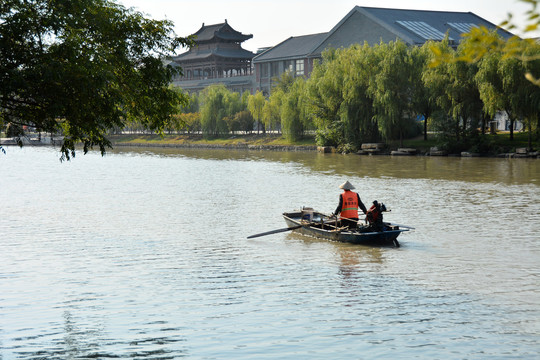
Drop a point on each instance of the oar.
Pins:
(402, 226)
(274, 231)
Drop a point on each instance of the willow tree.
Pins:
(324, 94)
(339, 96)
(422, 102)
(490, 87)
(336, 94)
(293, 111)
(255, 107)
(272, 109)
(392, 89)
(360, 65)
(455, 91)
(530, 100)
(84, 67)
(466, 105)
(501, 86)
(217, 103)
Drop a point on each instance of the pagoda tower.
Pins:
(216, 54)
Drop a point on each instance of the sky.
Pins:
(273, 21)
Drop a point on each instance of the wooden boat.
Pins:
(316, 224)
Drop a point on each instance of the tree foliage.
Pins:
(293, 116)
(84, 67)
(392, 88)
(218, 108)
(371, 93)
(255, 106)
(244, 121)
(422, 103)
(213, 110)
(272, 110)
(482, 41)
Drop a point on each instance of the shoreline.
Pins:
(367, 149)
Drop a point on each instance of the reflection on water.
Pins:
(506, 171)
(143, 255)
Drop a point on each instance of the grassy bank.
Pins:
(228, 140)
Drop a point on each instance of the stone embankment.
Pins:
(380, 149)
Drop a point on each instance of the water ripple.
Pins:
(118, 261)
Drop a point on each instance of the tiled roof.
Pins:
(293, 47)
(219, 31)
(205, 54)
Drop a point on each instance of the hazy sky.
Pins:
(272, 21)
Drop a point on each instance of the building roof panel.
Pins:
(438, 20)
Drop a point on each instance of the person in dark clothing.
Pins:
(347, 209)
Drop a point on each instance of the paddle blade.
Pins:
(403, 226)
(274, 231)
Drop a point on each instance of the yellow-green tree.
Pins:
(272, 109)
(482, 41)
(255, 107)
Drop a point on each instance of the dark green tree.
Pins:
(360, 64)
(293, 115)
(218, 107)
(454, 89)
(255, 106)
(84, 67)
(393, 88)
(325, 97)
(244, 121)
(421, 101)
(213, 110)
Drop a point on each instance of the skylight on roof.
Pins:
(422, 29)
(462, 27)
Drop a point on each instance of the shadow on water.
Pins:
(350, 258)
(505, 171)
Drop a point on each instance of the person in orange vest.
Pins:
(347, 209)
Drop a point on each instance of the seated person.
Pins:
(347, 209)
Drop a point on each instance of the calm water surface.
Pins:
(143, 255)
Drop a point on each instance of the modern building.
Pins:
(294, 55)
(216, 57)
(364, 24)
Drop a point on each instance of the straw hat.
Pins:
(346, 186)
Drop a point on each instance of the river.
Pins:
(142, 254)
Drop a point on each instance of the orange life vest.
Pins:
(349, 208)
